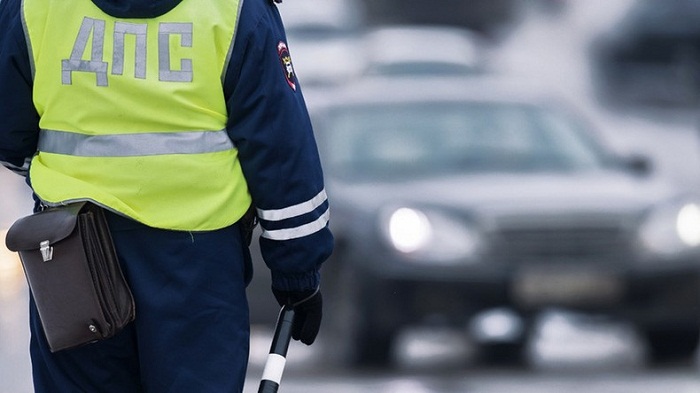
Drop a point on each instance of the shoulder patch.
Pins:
(286, 62)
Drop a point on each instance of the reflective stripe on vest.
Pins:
(129, 145)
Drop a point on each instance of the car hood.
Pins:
(599, 193)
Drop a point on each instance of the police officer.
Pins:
(178, 117)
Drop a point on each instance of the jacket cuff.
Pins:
(296, 282)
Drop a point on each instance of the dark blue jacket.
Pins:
(268, 122)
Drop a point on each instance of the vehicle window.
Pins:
(438, 139)
(318, 32)
(422, 68)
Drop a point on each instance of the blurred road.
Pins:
(602, 357)
(599, 357)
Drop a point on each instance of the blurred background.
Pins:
(515, 188)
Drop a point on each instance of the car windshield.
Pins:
(319, 32)
(419, 140)
(423, 68)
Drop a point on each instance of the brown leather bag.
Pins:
(73, 274)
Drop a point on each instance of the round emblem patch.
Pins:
(287, 67)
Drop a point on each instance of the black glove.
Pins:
(307, 306)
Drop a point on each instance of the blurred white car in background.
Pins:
(402, 50)
(324, 39)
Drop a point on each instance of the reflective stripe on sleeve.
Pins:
(300, 231)
(295, 210)
(128, 145)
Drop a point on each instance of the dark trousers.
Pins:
(191, 332)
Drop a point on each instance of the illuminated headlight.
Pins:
(688, 224)
(672, 229)
(430, 236)
(409, 230)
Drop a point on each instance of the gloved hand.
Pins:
(307, 306)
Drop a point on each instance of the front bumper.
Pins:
(453, 296)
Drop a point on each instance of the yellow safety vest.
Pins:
(132, 112)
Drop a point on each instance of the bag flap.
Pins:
(53, 224)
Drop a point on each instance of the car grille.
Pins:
(557, 244)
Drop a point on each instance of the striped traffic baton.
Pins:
(276, 359)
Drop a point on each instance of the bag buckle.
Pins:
(46, 251)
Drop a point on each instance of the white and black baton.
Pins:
(276, 359)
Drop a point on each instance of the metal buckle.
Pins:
(46, 251)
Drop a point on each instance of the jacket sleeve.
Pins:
(270, 125)
(19, 121)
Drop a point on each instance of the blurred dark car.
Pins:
(474, 205)
(652, 55)
(489, 17)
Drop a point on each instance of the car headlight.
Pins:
(430, 236)
(672, 229)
